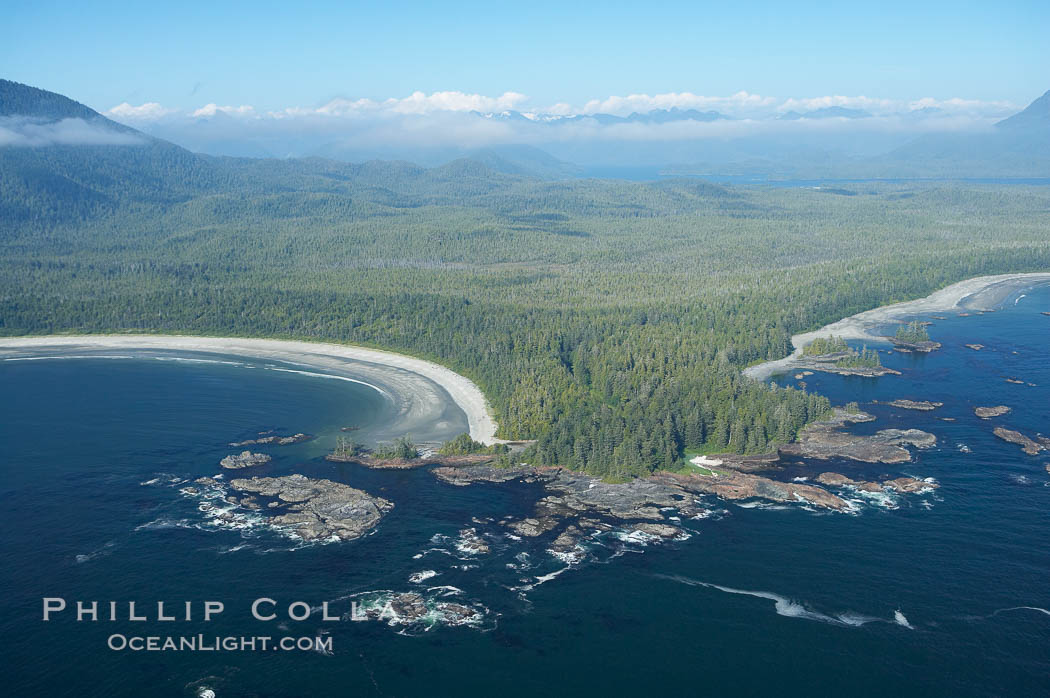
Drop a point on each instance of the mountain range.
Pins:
(60, 158)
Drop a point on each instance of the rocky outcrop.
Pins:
(462, 476)
(659, 530)
(574, 502)
(471, 543)
(409, 608)
(903, 485)
(989, 412)
(1028, 445)
(826, 439)
(921, 405)
(533, 527)
(317, 509)
(274, 440)
(738, 486)
(244, 459)
(906, 485)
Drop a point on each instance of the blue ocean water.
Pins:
(940, 594)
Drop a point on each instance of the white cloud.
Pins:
(859, 102)
(149, 111)
(213, 109)
(419, 103)
(415, 103)
(681, 100)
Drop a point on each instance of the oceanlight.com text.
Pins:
(215, 643)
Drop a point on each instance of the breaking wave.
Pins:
(794, 609)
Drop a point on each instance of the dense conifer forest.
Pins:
(608, 320)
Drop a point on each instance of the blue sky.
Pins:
(276, 55)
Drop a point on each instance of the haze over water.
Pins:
(96, 450)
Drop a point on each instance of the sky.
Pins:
(281, 55)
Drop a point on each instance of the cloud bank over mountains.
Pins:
(424, 126)
(741, 105)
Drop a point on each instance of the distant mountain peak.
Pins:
(1035, 115)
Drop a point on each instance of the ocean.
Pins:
(938, 594)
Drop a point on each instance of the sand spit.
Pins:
(979, 293)
(422, 392)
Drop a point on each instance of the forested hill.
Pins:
(66, 162)
(607, 319)
(17, 99)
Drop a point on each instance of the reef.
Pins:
(273, 440)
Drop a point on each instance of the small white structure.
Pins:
(704, 461)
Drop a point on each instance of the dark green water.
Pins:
(95, 452)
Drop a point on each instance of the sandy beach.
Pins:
(978, 293)
(425, 394)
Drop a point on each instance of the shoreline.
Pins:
(419, 389)
(978, 293)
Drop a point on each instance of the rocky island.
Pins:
(989, 412)
(312, 509)
(244, 459)
(1028, 445)
(921, 405)
(913, 338)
